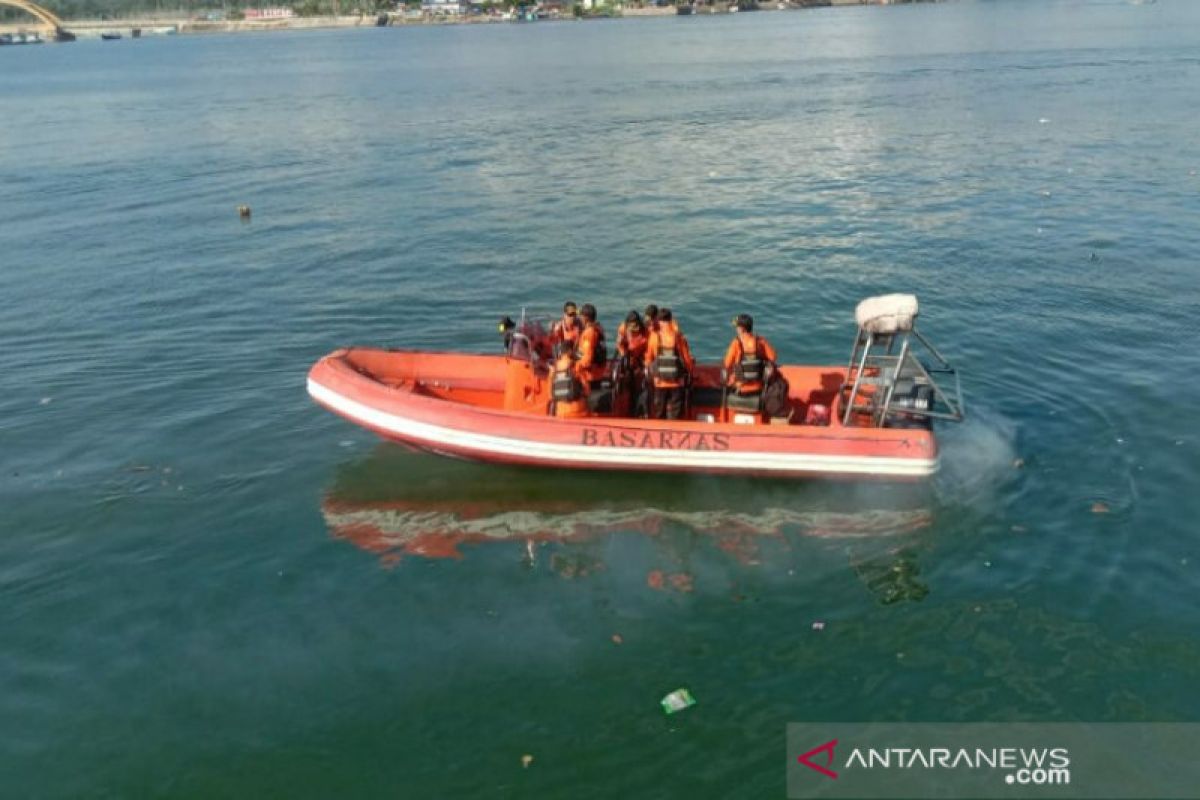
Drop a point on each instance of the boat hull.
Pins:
(442, 425)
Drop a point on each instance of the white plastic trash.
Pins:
(678, 700)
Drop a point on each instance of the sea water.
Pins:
(212, 587)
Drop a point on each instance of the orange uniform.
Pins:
(567, 390)
(591, 362)
(566, 331)
(746, 361)
(668, 356)
(632, 344)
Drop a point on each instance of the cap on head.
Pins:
(651, 312)
(744, 321)
(665, 315)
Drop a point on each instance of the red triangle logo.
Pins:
(827, 749)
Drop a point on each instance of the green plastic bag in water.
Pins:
(678, 700)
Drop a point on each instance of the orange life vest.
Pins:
(599, 349)
(751, 368)
(631, 343)
(565, 386)
(568, 329)
(668, 369)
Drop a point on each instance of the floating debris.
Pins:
(526, 760)
(244, 212)
(1100, 508)
(893, 578)
(575, 565)
(1043, 120)
(45, 401)
(818, 626)
(617, 639)
(678, 700)
(1018, 463)
(681, 582)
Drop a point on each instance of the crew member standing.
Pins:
(650, 318)
(565, 333)
(591, 351)
(632, 339)
(669, 364)
(747, 358)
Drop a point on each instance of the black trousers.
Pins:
(635, 388)
(667, 403)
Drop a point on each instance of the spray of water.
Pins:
(978, 457)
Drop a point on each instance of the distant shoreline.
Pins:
(158, 26)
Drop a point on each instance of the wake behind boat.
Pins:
(872, 418)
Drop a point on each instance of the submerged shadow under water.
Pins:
(397, 504)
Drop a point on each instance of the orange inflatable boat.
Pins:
(871, 418)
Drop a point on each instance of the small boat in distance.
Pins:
(870, 419)
(110, 37)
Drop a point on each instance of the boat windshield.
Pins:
(529, 341)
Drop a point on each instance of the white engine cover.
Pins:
(888, 313)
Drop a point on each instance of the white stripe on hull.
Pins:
(484, 445)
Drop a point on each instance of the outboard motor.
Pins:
(887, 384)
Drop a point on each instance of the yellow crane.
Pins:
(45, 15)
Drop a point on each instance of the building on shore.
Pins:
(276, 12)
(444, 8)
